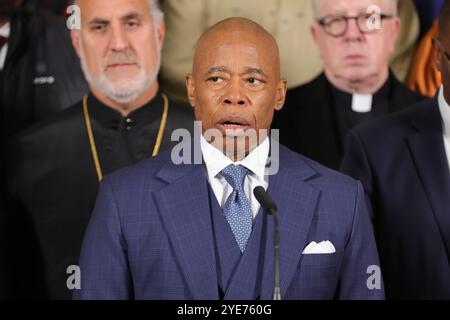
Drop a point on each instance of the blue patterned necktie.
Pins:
(237, 208)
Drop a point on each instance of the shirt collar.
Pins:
(444, 109)
(216, 161)
(381, 94)
(152, 111)
(5, 30)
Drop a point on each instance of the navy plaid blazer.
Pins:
(150, 235)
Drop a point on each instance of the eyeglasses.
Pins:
(337, 26)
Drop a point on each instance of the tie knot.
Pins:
(235, 175)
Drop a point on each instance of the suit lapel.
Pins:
(297, 201)
(185, 212)
(190, 230)
(428, 152)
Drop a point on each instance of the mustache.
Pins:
(122, 58)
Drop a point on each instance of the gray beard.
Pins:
(124, 93)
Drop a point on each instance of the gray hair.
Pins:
(155, 10)
(389, 3)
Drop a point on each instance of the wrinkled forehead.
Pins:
(109, 10)
(349, 7)
(236, 50)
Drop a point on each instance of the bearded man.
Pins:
(55, 167)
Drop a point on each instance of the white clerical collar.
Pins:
(216, 161)
(362, 103)
(444, 109)
(5, 30)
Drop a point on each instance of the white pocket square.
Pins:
(324, 247)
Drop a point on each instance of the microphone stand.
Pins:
(276, 242)
(271, 208)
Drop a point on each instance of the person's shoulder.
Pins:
(308, 88)
(141, 174)
(40, 21)
(337, 192)
(49, 126)
(404, 94)
(51, 19)
(181, 116)
(308, 96)
(395, 125)
(181, 109)
(318, 174)
(178, 104)
(42, 146)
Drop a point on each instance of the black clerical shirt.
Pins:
(347, 118)
(122, 141)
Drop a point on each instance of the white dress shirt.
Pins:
(255, 162)
(444, 109)
(4, 32)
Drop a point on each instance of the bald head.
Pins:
(237, 31)
(238, 26)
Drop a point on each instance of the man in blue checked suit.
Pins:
(195, 231)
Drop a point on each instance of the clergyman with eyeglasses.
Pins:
(355, 38)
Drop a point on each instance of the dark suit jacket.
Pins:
(4, 266)
(52, 183)
(150, 236)
(308, 121)
(42, 72)
(402, 164)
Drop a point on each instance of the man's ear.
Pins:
(190, 86)
(314, 32)
(437, 53)
(281, 94)
(316, 37)
(75, 36)
(396, 28)
(161, 33)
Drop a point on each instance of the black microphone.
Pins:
(271, 208)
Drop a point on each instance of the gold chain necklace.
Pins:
(156, 148)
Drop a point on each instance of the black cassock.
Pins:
(53, 182)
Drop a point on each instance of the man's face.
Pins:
(235, 86)
(119, 46)
(355, 55)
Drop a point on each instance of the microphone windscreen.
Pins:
(264, 200)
